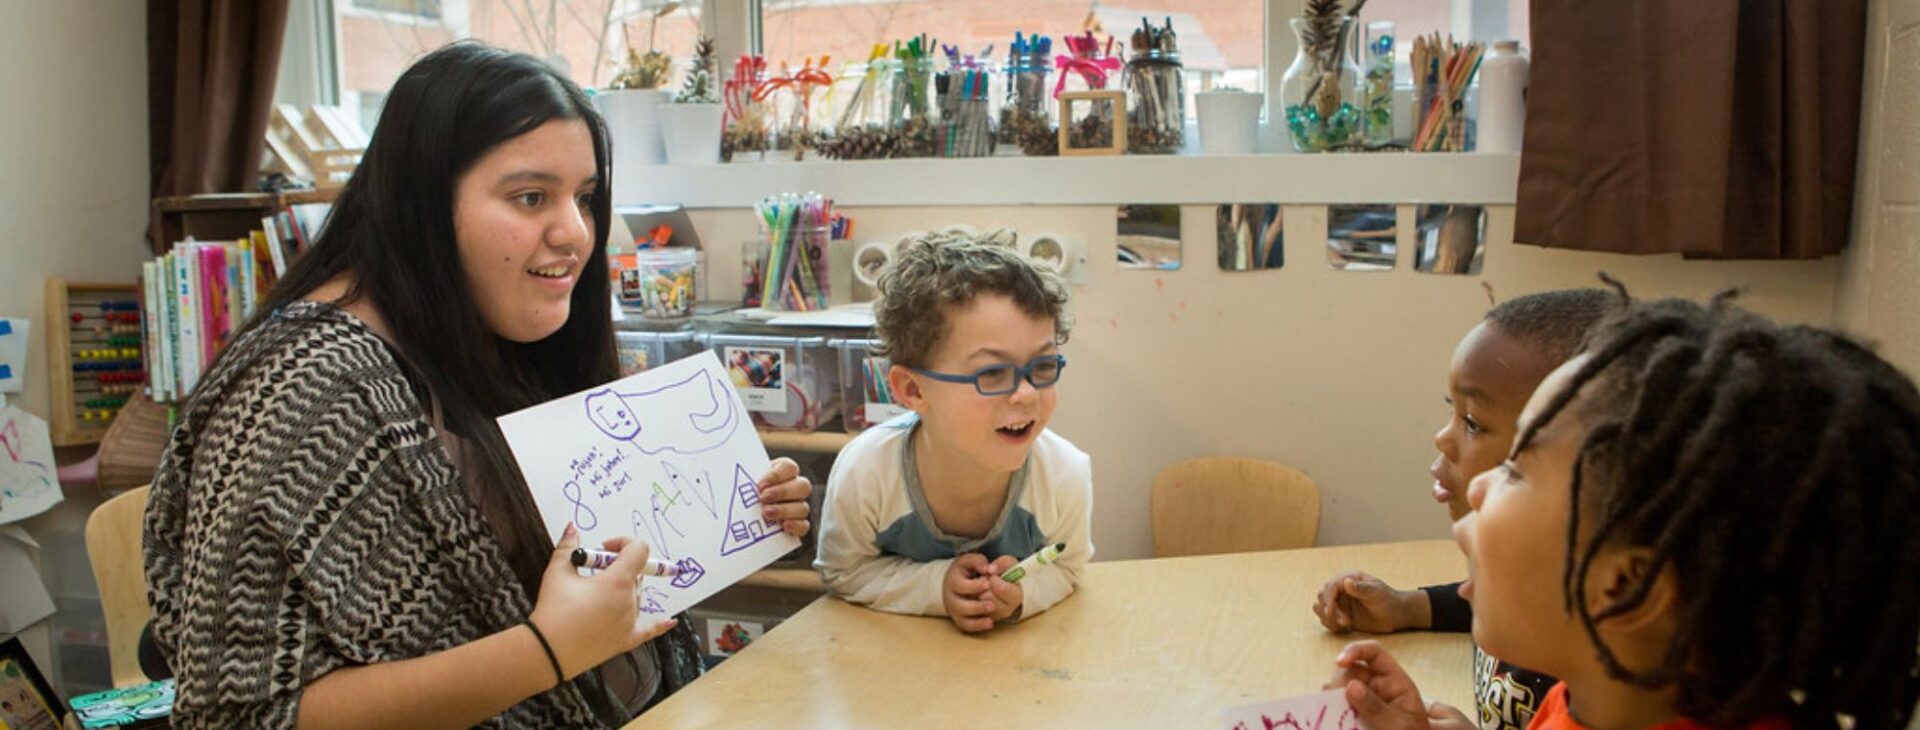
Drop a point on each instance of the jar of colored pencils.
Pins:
(794, 230)
(666, 281)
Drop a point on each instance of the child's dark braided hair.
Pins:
(1776, 471)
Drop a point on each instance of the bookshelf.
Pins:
(220, 216)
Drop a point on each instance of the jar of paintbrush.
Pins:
(1156, 92)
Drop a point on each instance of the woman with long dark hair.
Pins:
(338, 535)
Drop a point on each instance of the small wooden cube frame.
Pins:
(1117, 146)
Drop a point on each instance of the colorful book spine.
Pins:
(212, 271)
(187, 339)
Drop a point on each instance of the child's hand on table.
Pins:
(967, 594)
(1382, 694)
(783, 497)
(1007, 597)
(1355, 601)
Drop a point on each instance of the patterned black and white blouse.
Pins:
(306, 516)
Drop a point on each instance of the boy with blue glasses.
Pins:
(925, 513)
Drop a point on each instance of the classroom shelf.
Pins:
(1331, 178)
(818, 442)
(786, 579)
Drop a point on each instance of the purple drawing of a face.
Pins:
(610, 413)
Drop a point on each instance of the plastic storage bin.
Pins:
(865, 398)
(788, 383)
(640, 351)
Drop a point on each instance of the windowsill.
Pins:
(1333, 178)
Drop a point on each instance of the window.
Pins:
(1222, 42)
(1467, 20)
(379, 39)
(423, 9)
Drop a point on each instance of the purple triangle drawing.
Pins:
(745, 524)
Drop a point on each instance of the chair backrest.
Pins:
(113, 546)
(1231, 505)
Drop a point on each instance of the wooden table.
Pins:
(1142, 643)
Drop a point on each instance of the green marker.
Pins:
(1046, 555)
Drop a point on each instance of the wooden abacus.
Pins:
(94, 349)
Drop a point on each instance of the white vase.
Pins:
(1503, 99)
(692, 133)
(633, 124)
(1229, 121)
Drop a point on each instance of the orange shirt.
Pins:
(1554, 715)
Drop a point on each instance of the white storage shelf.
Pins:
(1332, 178)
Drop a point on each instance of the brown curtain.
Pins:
(210, 77)
(1711, 128)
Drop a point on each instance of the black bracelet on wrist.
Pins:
(559, 677)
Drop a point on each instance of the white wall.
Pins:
(1340, 375)
(73, 202)
(73, 157)
(1880, 290)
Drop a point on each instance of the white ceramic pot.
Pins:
(692, 133)
(1229, 121)
(633, 122)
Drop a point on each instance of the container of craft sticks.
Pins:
(666, 277)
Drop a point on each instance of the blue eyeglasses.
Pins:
(1042, 372)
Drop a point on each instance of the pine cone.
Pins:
(1035, 136)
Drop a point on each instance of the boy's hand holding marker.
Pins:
(979, 593)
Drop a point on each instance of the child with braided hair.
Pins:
(1731, 508)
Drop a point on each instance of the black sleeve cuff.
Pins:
(1450, 611)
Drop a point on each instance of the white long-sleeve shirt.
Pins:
(880, 546)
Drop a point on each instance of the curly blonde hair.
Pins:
(949, 269)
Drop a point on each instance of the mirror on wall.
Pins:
(1449, 239)
(1362, 237)
(1251, 236)
(1148, 236)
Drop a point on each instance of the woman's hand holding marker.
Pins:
(589, 619)
(783, 497)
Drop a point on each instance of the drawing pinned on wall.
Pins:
(1319, 711)
(578, 456)
(689, 416)
(29, 482)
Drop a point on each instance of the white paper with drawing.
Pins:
(29, 480)
(1327, 710)
(668, 457)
